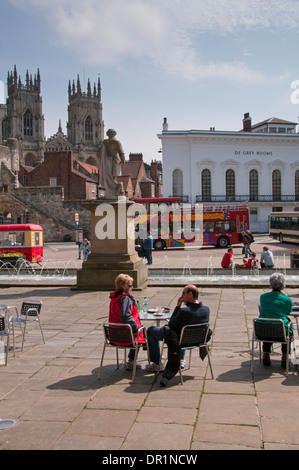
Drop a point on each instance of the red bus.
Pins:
(24, 239)
(216, 226)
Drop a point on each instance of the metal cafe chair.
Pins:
(30, 311)
(191, 337)
(5, 330)
(122, 333)
(271, 330)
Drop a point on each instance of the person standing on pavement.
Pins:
(247, 240)
(86, 248)
(194, 312)
(148, 244)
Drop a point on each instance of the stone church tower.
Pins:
(24, 119)
(85, 126)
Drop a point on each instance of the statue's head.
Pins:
(111, 133)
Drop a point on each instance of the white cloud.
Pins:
(165, 32)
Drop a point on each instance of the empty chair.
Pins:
(194, 336)
(271, 330)
(5, 330)
(30, 311)
(122, 333)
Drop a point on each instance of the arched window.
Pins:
(230, 185)
(253, 185)
(206, 185)
(28, 124)
(5, 129)
(276, 185)
(88, 129)
(297, 185)
(177, 183)
(30, 160)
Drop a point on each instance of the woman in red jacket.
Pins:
(123, 309)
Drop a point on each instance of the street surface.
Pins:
(178, 257)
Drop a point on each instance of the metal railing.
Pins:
(248, 198)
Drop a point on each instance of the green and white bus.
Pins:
(284, 226)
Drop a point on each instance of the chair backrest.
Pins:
(2, 323)
(31, 304)
(118, 333)
(269, 329)
(194, 335)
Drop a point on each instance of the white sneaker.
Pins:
(153, 367)
(129, 365)
(183, 363)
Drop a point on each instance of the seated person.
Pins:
(267, 260)
(194, 312)
(250, 262)
(123, 309)
(227, 260)
(276, 304)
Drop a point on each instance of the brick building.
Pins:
(79, 180)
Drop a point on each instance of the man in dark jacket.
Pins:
(194, 312)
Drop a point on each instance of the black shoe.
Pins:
(266, 359)
(163, 382)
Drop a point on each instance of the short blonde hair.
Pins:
(122, 281)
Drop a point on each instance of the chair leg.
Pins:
(24, 332)
(7, 349)
(102, 359)
(190, 352)
(210, 363)
(134, 364)
(41, 330)
(287, 358)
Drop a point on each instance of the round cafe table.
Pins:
(151, 316)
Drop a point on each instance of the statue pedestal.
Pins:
(112, 247)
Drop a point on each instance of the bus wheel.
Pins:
(281, 238)
(159, 244)
(223, 242)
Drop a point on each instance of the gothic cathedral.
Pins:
(22, 118)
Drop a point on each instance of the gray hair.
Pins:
(277, 282)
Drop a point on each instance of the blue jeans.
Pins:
(154, 335)
(149, 256)
(247, 250)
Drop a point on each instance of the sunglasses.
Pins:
(130, 285)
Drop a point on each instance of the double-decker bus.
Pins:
(25, 239)
(284, 226)
(218, 226)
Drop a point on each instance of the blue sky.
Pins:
(200, 63)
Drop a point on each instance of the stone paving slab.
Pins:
(52, 389)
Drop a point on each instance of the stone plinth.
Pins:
(112, 247)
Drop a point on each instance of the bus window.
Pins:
(208, 227)
(223, 226)
(295, 223)
(20, 238)
(36, 238)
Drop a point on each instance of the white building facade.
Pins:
(257, 166)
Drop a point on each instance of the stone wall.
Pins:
(47, 208)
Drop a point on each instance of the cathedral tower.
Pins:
(85, 127)
(25, 120)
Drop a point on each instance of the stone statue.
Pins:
(111, 155)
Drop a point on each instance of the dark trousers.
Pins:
(267, 347)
